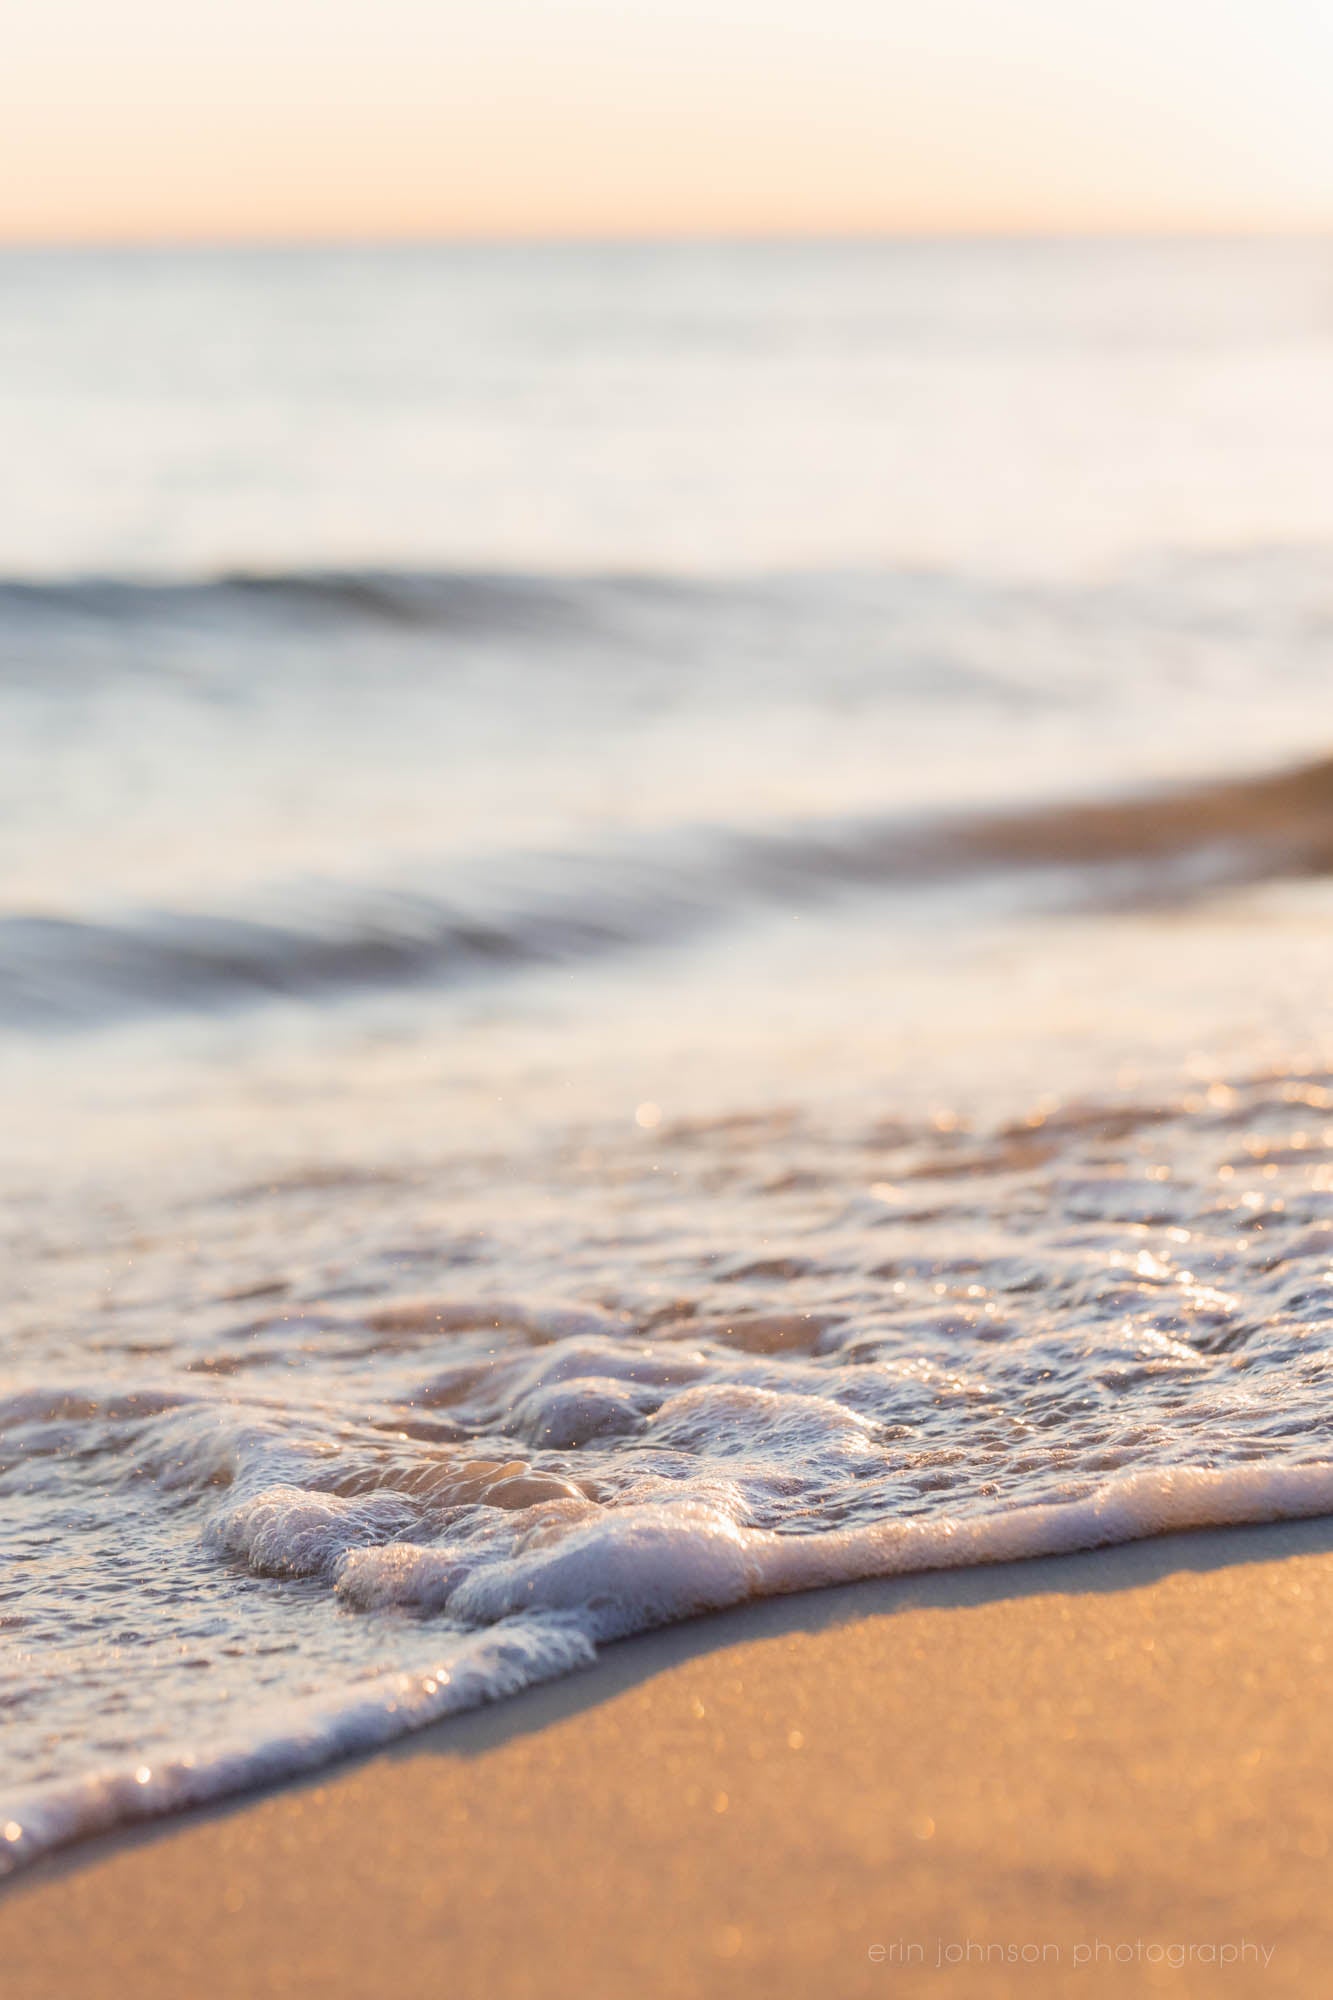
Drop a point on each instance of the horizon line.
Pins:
(744, 237)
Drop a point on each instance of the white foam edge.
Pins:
(536, 1643)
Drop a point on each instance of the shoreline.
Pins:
(961, 1778)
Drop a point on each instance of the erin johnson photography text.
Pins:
(940, 1953)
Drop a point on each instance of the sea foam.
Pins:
(289, 1521)
(545, 1611)
(278, 1529)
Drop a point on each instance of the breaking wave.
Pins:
(1139, 850)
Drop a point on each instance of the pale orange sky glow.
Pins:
(154, 121)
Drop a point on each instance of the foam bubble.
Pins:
(284, 1531)
(621, 1572)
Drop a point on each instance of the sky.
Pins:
(178, 120)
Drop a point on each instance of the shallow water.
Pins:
(589, 1032)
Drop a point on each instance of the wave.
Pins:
(1210, 590)
(399, 598)
(1133, 851)
(551, 1614)
(352, 1465)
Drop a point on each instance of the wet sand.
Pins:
(1105, 1772)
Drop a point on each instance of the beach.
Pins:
(1095, 1771)
(668, 1076)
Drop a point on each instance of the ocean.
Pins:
(664, 936)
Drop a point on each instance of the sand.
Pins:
(1074, 1773)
